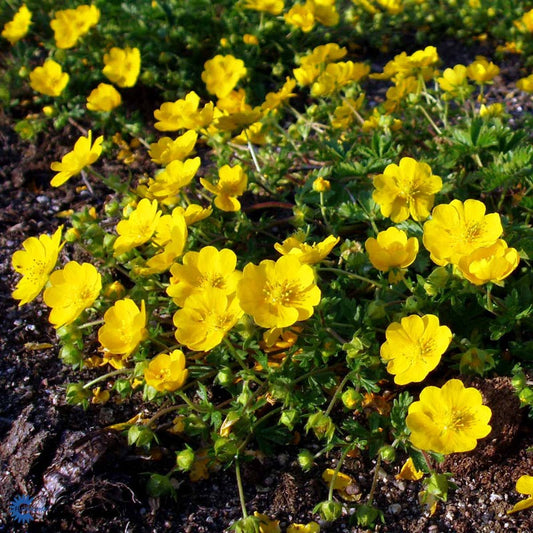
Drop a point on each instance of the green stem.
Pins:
(108, 375)
(239, 486)
(336, 472)
(90, 324)
(374, 480)
(352, 276)
(337, 394)
(430, 120)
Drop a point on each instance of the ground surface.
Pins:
(85, 478)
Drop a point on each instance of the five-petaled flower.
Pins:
(166, 372)
(448, 420)
(232, 182)
(524, 485)
(122, 66)
(17, 28)
(49, 79)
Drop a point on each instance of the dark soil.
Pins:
(85, 478)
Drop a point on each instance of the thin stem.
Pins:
(108, 375)
(90, 324)
(239, 486)
(164, 412)
(337, 394)
(430, 120)
(352, 275)
(336, 472)
(374, 480)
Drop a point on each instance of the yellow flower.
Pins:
(344, 115)
(267, 525)
(393, 7)
(324, 11)
(409, 471)
(525, 24)
(124, 328)
(524, 485)
(201, 270)
(492, 110)
(492, 263)
(248, 38)
(307, 253)
(167, 150)
(402, 66)
(391, 249)
(448, 420)
(526, 84)
(232, 182)
(73, 289)
(35, 263)
(168, 182)
(300, 16)
(414, 347)
(337, 75)
(100, 397)
(482, 71)
(403, 87)
(183, 114)
(456, 230)
(18, 27)
(70, 24)
(222, 73)
(49, 79)
(254, 133)
(407, 189)
(454, 82)
(275, 100)
(82, 155)
(377, 121)
(194, 213)
(310, 527)
(278, 294)
(104, 98)
(166, 372)
(234, 102)
(206, 318)
(321, 185)
(138, 228)
(341, 484)
(274, 7)
(122, 66)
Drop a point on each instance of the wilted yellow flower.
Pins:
(49, 79)
(524, 485)
(391, 249)
(310, 527)
(82, 155)
(278, 294)
(454, 82)
(492, 263)
(138, 228)
(409, 471)
(100, 397)
(70, 24)
(206, 318)
(414, 347)
(407, 189)
(166, 372)
(232, 182)
(482, 71)
(274, 7)
(200, 270)
(73, 289)
(341, 484)
(307, 253)
(122, 66)
(448, 420)
(300, 16)
(35, 263)
(184, 114)
(168, 182)
(18, 27)
(456, 230)
(222, 73)
(124, 328)
(104, 98)
(267, 525)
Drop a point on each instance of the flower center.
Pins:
(279, 293)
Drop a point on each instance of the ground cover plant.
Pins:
(294, 226)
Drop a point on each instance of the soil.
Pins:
(86, 478)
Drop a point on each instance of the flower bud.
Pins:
(185, 459)
(305, 460)
(329, 510)
(387, 453)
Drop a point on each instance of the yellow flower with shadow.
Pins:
(391, 249)
(123, 330)
(406, 189)
(266, 524)
(409, 471)
(232, 182)
(49, 79)
(72, 289)
(414, 347)
(457, 229)
(122, 66)
(308, 254)
(17, 28)
(274, 100)
(278, 293)
(208, 268)
(166, 372)
(345, 485)
(337, 75)
(104, 98)
(449, 419)
(71, 24)
(100, 397)
(84, 153)
(324, 11)
(492, 263)
(138, 228)
(206, 319)
(222, 73)
(482, 71)
(184, 113)
(195, 213)
(524, 485)
(300, 16)
(168, 182)
(310, 527)
(35, 262)
(454, 82)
